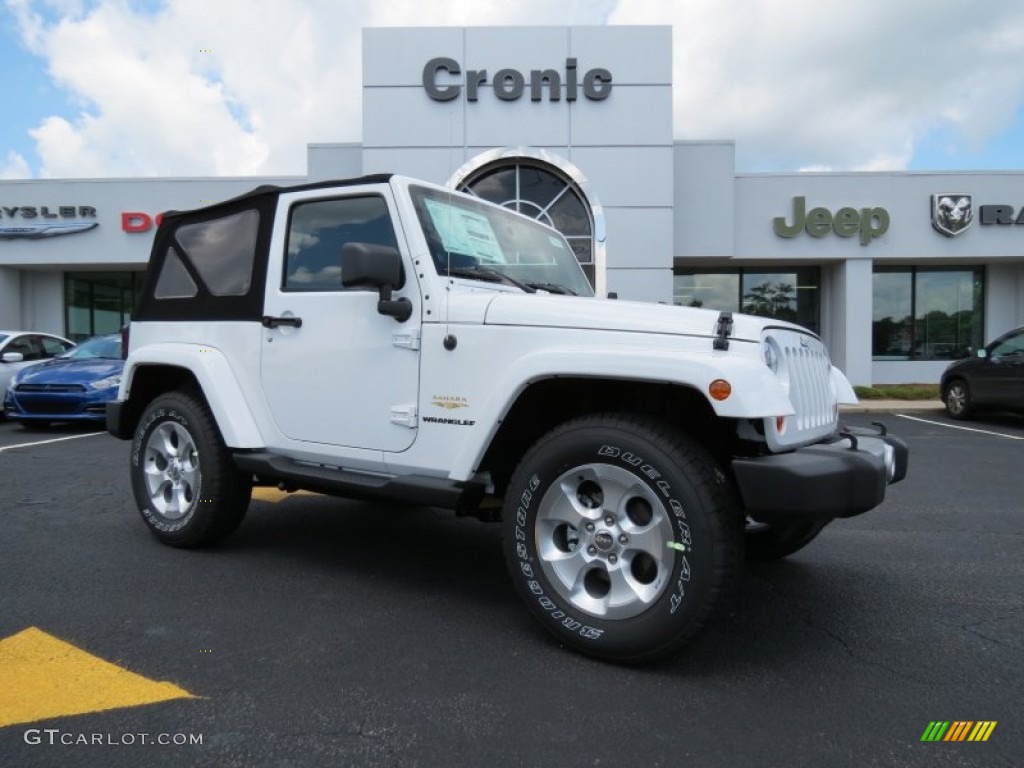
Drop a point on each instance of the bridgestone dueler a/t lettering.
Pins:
(621, 536)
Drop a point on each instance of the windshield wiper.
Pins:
(488, 275)
(553, 288)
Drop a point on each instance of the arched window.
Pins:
(531, 185)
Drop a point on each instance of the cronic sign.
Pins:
(443, 81)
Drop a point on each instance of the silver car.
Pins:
(20, 349)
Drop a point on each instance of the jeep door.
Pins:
(334, 370)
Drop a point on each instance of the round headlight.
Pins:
(770, 356)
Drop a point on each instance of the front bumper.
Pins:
(116, 421)
(85, 405)
(841, 478)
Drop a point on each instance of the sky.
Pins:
(116, 88)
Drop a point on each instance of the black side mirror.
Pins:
(364, 265)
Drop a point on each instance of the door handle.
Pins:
(274, 322)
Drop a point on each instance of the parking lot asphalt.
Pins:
(329, 632)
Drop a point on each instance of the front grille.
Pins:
(47, 407)
(809, 387)
(805, 365)
(49, 388)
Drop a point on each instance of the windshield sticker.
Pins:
(555, 241)
(464, 231)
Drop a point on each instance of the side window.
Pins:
(53, 347)
(175, 282)
(221, 252)
(318, 229)
(1011, 346)
(28, 346)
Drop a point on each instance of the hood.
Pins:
(614, 315)
(69, 371)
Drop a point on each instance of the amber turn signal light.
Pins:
(720, 389)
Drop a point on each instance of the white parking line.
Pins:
(965, 429)
(51, 440)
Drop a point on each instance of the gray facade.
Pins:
(593, 106)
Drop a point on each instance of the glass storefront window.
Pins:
(926, 313)
(892, 314)
(98, 302)
(790, 294)
(700, 289)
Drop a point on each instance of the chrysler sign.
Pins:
(32, 222)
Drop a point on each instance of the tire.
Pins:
(621, 536)
(774, 541)
(957, 399)
(184, 480)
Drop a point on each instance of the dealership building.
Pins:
(898, 271)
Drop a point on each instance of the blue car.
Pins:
(74, 386)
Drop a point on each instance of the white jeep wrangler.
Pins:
(384, 338)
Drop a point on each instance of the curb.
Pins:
(892, 406)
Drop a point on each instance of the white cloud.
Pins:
(236, 87)
(239, 87)
(15, 166)
(804, 83)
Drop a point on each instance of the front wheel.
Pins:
(621, 536)
(957, 399)
(185, 483)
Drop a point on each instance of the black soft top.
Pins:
(200, 302)
(270, 192)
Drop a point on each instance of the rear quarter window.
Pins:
(221, 251)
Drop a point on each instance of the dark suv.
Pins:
(992, 378)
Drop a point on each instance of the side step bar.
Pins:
(411, 489)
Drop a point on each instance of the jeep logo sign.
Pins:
(509, 84)
(869, 223)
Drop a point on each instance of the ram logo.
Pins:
(951, 213)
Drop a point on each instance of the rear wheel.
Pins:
(621, 536)
(774, 541)
(185, 483)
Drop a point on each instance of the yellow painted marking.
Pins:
(44, 677)
(274, 495)
(984, 730)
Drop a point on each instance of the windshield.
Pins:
(481, 241)
(98, 346)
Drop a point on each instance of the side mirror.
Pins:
(13, 357)
(983, 353)
(364, 265)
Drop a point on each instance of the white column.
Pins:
(10, 298)
(851, 320)
(43, 303)
(1004, 298)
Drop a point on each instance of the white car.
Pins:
(20, 349)
(388, 339)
